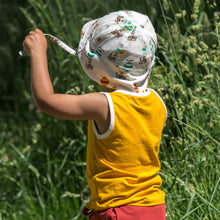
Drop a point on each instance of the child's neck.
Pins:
(108, 89)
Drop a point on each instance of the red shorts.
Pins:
(157, 212)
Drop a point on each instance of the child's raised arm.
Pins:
(92, 106)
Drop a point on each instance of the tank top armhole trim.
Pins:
(112, 120)
(162, 102)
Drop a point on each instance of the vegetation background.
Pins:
(42, 159)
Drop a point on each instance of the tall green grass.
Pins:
(42, 159)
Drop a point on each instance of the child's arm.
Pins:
(92, 106)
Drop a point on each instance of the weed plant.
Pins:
(42, 159)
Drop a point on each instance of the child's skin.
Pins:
(92, 106)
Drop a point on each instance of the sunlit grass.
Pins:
(42, 159)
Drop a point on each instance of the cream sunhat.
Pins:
(118, 50)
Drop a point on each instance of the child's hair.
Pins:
(118, 50)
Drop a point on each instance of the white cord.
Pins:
(58, 42)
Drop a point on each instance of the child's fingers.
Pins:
(39, 31)
(35, 41)
(36, 33)
(31, 32)
(25, 44)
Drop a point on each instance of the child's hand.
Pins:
(35, 42)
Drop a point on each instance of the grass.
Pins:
(42, 159)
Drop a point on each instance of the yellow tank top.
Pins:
(122, 164)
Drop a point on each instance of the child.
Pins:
(124, 130)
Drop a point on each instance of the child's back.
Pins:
(122, 163)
